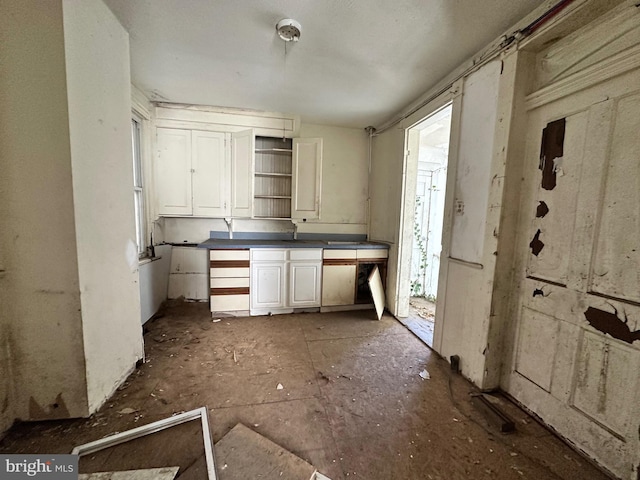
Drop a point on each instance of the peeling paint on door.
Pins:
(542, 210)
(536, 244)
(551, 149)
(610, 323)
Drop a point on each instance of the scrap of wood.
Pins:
(165, 473)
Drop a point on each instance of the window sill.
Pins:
(145, 260)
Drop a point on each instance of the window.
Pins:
(138, 192)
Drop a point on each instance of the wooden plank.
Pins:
(230, 291)
(165, 473)
(229, 263)
(244, 454)
(339, 261)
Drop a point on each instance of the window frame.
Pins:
(139, 204)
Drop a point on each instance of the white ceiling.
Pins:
(358, 62)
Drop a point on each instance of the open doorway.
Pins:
(428, 143)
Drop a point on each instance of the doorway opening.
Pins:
(428, 143)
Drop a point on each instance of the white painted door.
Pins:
(172, 172)
(242, 166)
(267, 285)
(577, 346)
(304, 284)
(210, 170)
(307, 178)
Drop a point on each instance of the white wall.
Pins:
(39, 293)
(99, 99)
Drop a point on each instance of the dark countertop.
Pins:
(230, 244)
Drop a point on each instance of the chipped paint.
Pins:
(609, 323)
(551, 152)
(536, 244)
(542, 210)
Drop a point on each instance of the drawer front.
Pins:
(224, 282)
(372, 253)
(305, 254)
(229, 254)
(235, 272)
(268, 255)
(339, 254)
(229, 303)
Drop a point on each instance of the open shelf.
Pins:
(272, 178)
(283, 151)
(267, 174)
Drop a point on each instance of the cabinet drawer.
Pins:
(372, 253)
(339, 254)
(229, 303)
(229, 255)
(224, 282)
(236, 272)
(305, 254)
(268, 255)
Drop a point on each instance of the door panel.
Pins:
(554, 211)
(210, 174)
(172, 172)
(616, 267)
(577, 342)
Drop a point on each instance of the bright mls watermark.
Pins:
(52, 467)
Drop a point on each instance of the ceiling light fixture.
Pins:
(289, 30)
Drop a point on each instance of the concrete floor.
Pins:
(352, 403)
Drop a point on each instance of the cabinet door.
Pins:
(242, 158)
(210, 168)
(267, 281)
(172, 172)
(338, 285)
(307, 178)
(304, 284)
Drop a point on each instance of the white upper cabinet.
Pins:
(307, 178)
(242, 161)
(204, 174)
(210, 174)
(172, 171)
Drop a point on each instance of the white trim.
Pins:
(140, 103)
(608, 68)
(154, 427)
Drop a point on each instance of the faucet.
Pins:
(229, 222)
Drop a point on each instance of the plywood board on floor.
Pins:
(242, 454)
(165, 473)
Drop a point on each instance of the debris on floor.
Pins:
(424, 374)
(279, 386)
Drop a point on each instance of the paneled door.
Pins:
(576, 351)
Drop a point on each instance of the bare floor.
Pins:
(352, 403)
(421, 319)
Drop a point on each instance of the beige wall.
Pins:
(344, 178)
(39, 293)
(99, 98)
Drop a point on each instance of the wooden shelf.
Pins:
(286, 197)
(274, 150)
(266, 174)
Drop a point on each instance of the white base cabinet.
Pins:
(285, 279)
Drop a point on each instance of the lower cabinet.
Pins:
(285, 279)
(229, 281)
